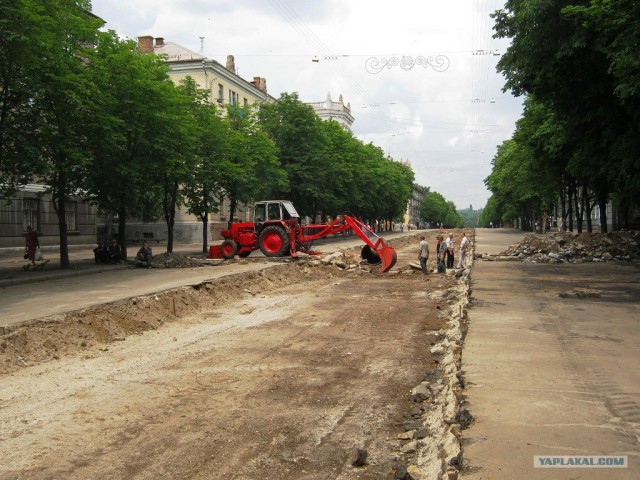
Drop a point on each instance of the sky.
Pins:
(444, 112)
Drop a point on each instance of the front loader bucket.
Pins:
(384, 255)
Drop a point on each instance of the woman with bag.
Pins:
(32, 243)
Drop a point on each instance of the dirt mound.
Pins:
(94, 328)
(564, 247)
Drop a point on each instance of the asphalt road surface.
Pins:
(551, 364)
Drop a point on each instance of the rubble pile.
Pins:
(565, 247)
(177, 260)
(347, 260)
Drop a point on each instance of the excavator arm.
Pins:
(375, 251)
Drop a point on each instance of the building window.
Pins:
(246, 102)
(233, 98)
(220, 94)
(30, 209)
(70, 215)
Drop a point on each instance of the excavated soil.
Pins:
(292, 372)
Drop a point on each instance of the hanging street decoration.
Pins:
(375, 65)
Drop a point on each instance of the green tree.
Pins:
(251, 168)
(174, 157)
(126, 129)
(471, 217)
(433, 208)
(298, 133)
(491, 215)
(614, 25)
(18, 73)
(343, 155)
(393, 188)
(564, 57)
(202, 188)
(48, 95)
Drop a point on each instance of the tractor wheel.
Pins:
(273, 241)
(228, 249)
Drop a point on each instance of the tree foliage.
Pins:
(329, 171)
(48, 95)
(126, 128)
(435, 209)
(250, 169)
(577, 62)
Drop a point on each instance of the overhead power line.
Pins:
(283, 8)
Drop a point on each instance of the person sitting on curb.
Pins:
(144, 256)
(114, 253)
(101, 253)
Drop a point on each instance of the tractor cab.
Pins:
(270, 211)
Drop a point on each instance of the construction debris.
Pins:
(177, 260)
(564, 247)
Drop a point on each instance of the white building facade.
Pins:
(337, 111)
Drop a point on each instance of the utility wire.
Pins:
(283, 8)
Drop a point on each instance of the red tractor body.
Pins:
(276, 231)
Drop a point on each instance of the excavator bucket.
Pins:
(388, 256)
(385, 255)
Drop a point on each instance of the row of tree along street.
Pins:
(81, 110)
(435, 209)
(578, 141)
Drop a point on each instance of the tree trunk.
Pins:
(232, 210)
(570, 190)
(589, 208)
(170, 200)
(563, 211)
(61, 209)
(122, 231)
(205, 233)
(58, 199)
(579, 211)
(602, 203)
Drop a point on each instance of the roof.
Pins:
(177, 53)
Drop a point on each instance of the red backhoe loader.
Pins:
(277, 232)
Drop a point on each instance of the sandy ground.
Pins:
(278, 374)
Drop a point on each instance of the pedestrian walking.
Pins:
(423, 254)
(32, 243)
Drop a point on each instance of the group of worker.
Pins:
(113, 254)
(445, 252)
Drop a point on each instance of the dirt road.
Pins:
(278, 374)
